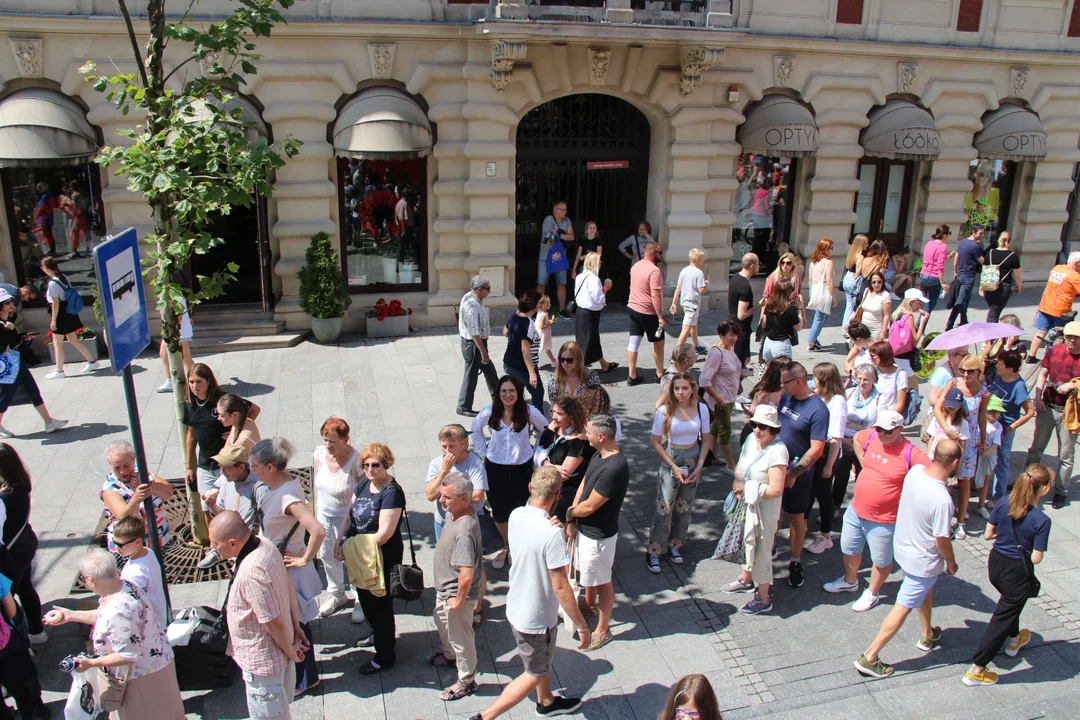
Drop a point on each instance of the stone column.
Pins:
(1038, 227)
(829, 208)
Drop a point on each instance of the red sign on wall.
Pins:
(608, 165)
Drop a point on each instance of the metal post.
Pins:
(144, 479)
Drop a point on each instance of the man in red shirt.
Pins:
(646, 313)
(886, 456)
(1052, 388)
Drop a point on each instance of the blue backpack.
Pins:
(73, 302)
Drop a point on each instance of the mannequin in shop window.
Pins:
(407, 214)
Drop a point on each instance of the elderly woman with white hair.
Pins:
(124, 496)
(128, 644)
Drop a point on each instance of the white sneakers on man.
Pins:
(357, 616)
(866, 601)
(840, 585)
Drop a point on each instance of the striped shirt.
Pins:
(259, 593)
(335, 491)
(126, 492)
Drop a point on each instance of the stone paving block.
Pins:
(935, 698)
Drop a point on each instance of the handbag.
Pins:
(572, 305)
(10, 361)
(556, 258)
(732, 545)
(109, 690)
(710, 457)
(1034, 587)
(407, 581)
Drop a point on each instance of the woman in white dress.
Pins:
(876, 307)
(819, 276)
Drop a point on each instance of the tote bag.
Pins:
(556, 258)
(10, 360)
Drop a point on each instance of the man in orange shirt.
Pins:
(646, 312)
(1061, 289)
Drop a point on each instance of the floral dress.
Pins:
(125, 625)
(966, 471)
(126, 492)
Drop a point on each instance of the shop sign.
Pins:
(608, 165)
(1024, 143)
(792, 137)
(915, 141)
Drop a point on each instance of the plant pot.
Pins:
(326, 330)
(405, 272)
(388, 327)
(389, 270)
(73, 355)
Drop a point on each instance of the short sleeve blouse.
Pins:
(124, 626)
(126, 493)
(276, 520)
(754, 464)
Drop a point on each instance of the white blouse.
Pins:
(589, 292)
(506, 447)
(335, 491)
(125, 625)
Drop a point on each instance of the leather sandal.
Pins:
(458, 691)
(438, 659)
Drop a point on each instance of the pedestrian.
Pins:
(556, 227)
(681, 439)
(590, 294)
(853, 282)
(741, 303)
(265, 636)
(596, 400)
(1062, 287)
(646, 313)
(972, 393)
(142, 568)
(876, 306)
(885, 457)
(683, 358)
(564, 444)
(988, 454)
(507, 453)
(862, 411)
(474, 327)
(859, 354)
(786, 269)
(19, 539)
(992, 348)
(633, 247)
(819, 276)
(64, 325)
(284, 519)
(761, 216)
(944, 373)
(759, 479)
(692, 698)
(376, 514)
(892, 382)
(591, 243)
(16, 344)
(595, 513)
(522, 356)
(458, 565)
(782, 319)
(906, 332)
(898, 273)
(18, 674)
(539, 586)
(804, 429)
(692, 284)
(1009, 387)
(234, 490)
(932, 275)
(1010, 279)
(571, 375)
(829, 386)
(1053, 387)
(1021, 533)
(720, 379)
(955, 426)
(232, 411)
(123, 493)
(187, 332)
(335, 473)
(967, 263)
(544, 320)
(923, 549)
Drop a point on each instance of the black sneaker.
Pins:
(565, 314)
(1030, 360)
(559, 706)
(632, 381)
(1059, 501)
(795, 578)
(467, 412)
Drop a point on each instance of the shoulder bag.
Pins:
(856, 317)
(1034, 586)
(914, 401)
(407, 581)
(109, 689)
(10, 361)
(710, 457)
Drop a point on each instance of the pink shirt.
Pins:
(722, 371)
(644, 279)
(933, 258)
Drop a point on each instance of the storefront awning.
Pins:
(1011, 132)
(778, 125)
(44, 128)
(900, 130)
(382, 123)
(248, 112)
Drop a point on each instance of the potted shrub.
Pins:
(388, 319)
(324, 294)
(89, 339)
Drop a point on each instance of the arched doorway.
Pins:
(592, 151)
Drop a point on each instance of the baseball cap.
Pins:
(1072, 328)
(996, 404)
(231, 455)
(916, 294)
(888, 420)
(5, 296)
(954, 399)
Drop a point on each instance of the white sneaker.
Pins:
(984, 513)
(357, 616)
(38, 638)
(840, 585)
(866, 601)
(961, 532)
(332, 604)
(54, 425)
(5, 433)
(820, 544)
(165, 387)
(89, 367)
(56, 375)
(210, 559)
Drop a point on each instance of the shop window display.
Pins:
(987, 203)
(383, 226)
(763, 201)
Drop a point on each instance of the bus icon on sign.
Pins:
(123, 286)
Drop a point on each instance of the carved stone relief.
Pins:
(28, 56)
(696, 59)
(1019, 80)
(599, 59)
(208, 61)
(503, 55)
(905, 76)
(382, 60)
(785, 70)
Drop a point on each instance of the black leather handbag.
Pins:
(407, 581)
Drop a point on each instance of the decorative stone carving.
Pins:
(27, 56)
(599, 59)
(512, 11)
(382, 59)
(209, 60)
(1019, 80)
(696, 59)
(503, 55)
(905, 76)
(785, 69)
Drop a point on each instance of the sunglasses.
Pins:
(760, 426)
(787, 262)
(785, 382)
(566, 360)
(125, 543)
(681, 713)
(372, 465)
(969, 371)
(883, 431)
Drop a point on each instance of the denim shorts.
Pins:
(857, 533)
(542, 274)
(1044, 322)
(914, 589)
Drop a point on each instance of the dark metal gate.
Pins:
(555, 144)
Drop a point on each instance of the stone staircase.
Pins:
(229, 328)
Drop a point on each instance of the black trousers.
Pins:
(841, 476)
(1010, 577)
(379, 612)
(997, 300)
(823, 487)
(22, 555)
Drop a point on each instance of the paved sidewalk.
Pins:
(401, 392)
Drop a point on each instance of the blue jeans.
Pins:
(849, 284)
(817, 325)
(775, 348)
(536, 392)
(1001, 472)
(931, 288)
(963, 299)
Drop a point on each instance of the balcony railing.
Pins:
(688, 13)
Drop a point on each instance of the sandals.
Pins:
(438, 659)
(458, 691)
(611, 366)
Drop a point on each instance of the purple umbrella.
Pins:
(971, 334)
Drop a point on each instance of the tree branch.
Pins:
(139, 62)
(173, 71)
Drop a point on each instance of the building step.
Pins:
(233, 343)
(238, 325)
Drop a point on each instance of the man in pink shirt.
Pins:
(646, 313)
(886, 456)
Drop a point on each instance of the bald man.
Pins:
(266, 639)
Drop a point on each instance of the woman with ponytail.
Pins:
(1020, 531)
(932, 276)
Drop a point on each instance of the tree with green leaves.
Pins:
(190, 155)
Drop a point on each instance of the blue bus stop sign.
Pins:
(119, 272)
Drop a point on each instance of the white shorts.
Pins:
(690, 316)
(905, 365)
(595, 558)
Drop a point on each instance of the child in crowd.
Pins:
(142, 568)
(693, 283)
(955, 410)
(692, 698)
(984, 469)
(544, 320)
(859, 354)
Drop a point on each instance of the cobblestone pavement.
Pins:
(401, 392)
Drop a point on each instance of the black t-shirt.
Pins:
(782, 326)
(364, 516)
(573, 447)
(18, 510)
(609, 477)
(210, 434)
(521, 328)
(1006, 260)
(739, 290)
